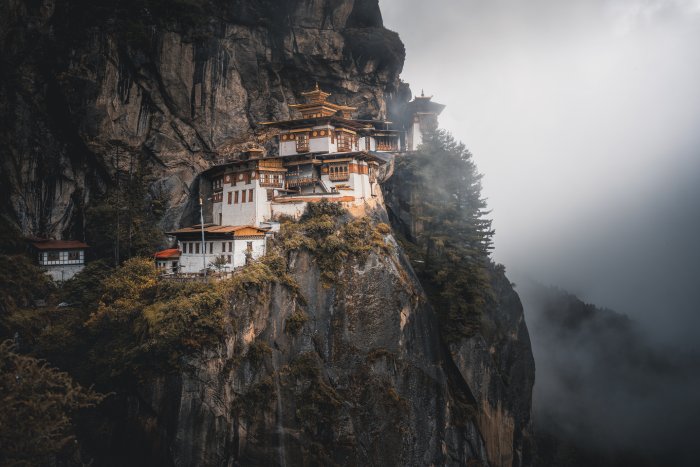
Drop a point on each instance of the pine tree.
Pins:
(451, 237)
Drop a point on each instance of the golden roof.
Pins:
(316, 96)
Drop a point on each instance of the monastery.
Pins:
(324, 154)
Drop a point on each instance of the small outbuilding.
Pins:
(61, 259)
(168, 261)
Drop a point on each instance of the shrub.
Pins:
(296, 321)
(258, 351)
(334, 242)
(36, 409)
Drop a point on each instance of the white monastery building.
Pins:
(61, 259)
(322, 155)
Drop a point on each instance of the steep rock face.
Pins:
(359, 381)
(496, 362)
(89, 89)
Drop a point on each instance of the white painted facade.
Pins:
(234, 251)
(415, 135)
(61, 264)
(168, 265)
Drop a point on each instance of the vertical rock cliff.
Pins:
(354, 372)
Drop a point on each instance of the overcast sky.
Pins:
(584, 116)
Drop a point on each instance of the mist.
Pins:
(583, 117)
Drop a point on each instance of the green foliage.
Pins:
(36, 408)
(334, 242)
(219, 263)
(258, 351)
(12, 242)
(21, 282)
(255, 402)
(85, 289)
(122, 223)
(452, 239)
(296, 321)
(316, 401)
(143, 325)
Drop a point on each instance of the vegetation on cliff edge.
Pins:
(450, 239)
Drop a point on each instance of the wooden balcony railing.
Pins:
(272, 184)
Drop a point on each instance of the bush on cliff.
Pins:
(143, 325)
(335, 241)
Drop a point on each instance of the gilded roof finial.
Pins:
(317, 88)
(422, 93)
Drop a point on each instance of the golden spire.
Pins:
(316, 96)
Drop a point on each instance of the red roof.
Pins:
(166, 254)
(60, 245)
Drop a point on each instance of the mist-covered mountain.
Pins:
(607, 394)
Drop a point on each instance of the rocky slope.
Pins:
(348, 372)
(89, 91)
(358, 381)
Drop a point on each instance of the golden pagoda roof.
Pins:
(316, 95)
(317, 105)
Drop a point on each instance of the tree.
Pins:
(451, 238)
(35, 413)
(122, 223)
(219, 263)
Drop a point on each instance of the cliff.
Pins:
(89, 91)
(352, 365)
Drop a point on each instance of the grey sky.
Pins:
(584, 116)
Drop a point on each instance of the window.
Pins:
(196, 248)
(223, 246)
(344, 142)
(230, 246)
(221, 218)
(338, 172)
(250, 196)
(235, 198)
(229, 197)
(229, 259)
(249, 246)
(270, 194)
(302, 142)
(74, 255)
(242, 196)
(211, 247)
(53, 256)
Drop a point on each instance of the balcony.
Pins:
(300, 181)
(387, 146)
(272, 184)
(339, 177)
